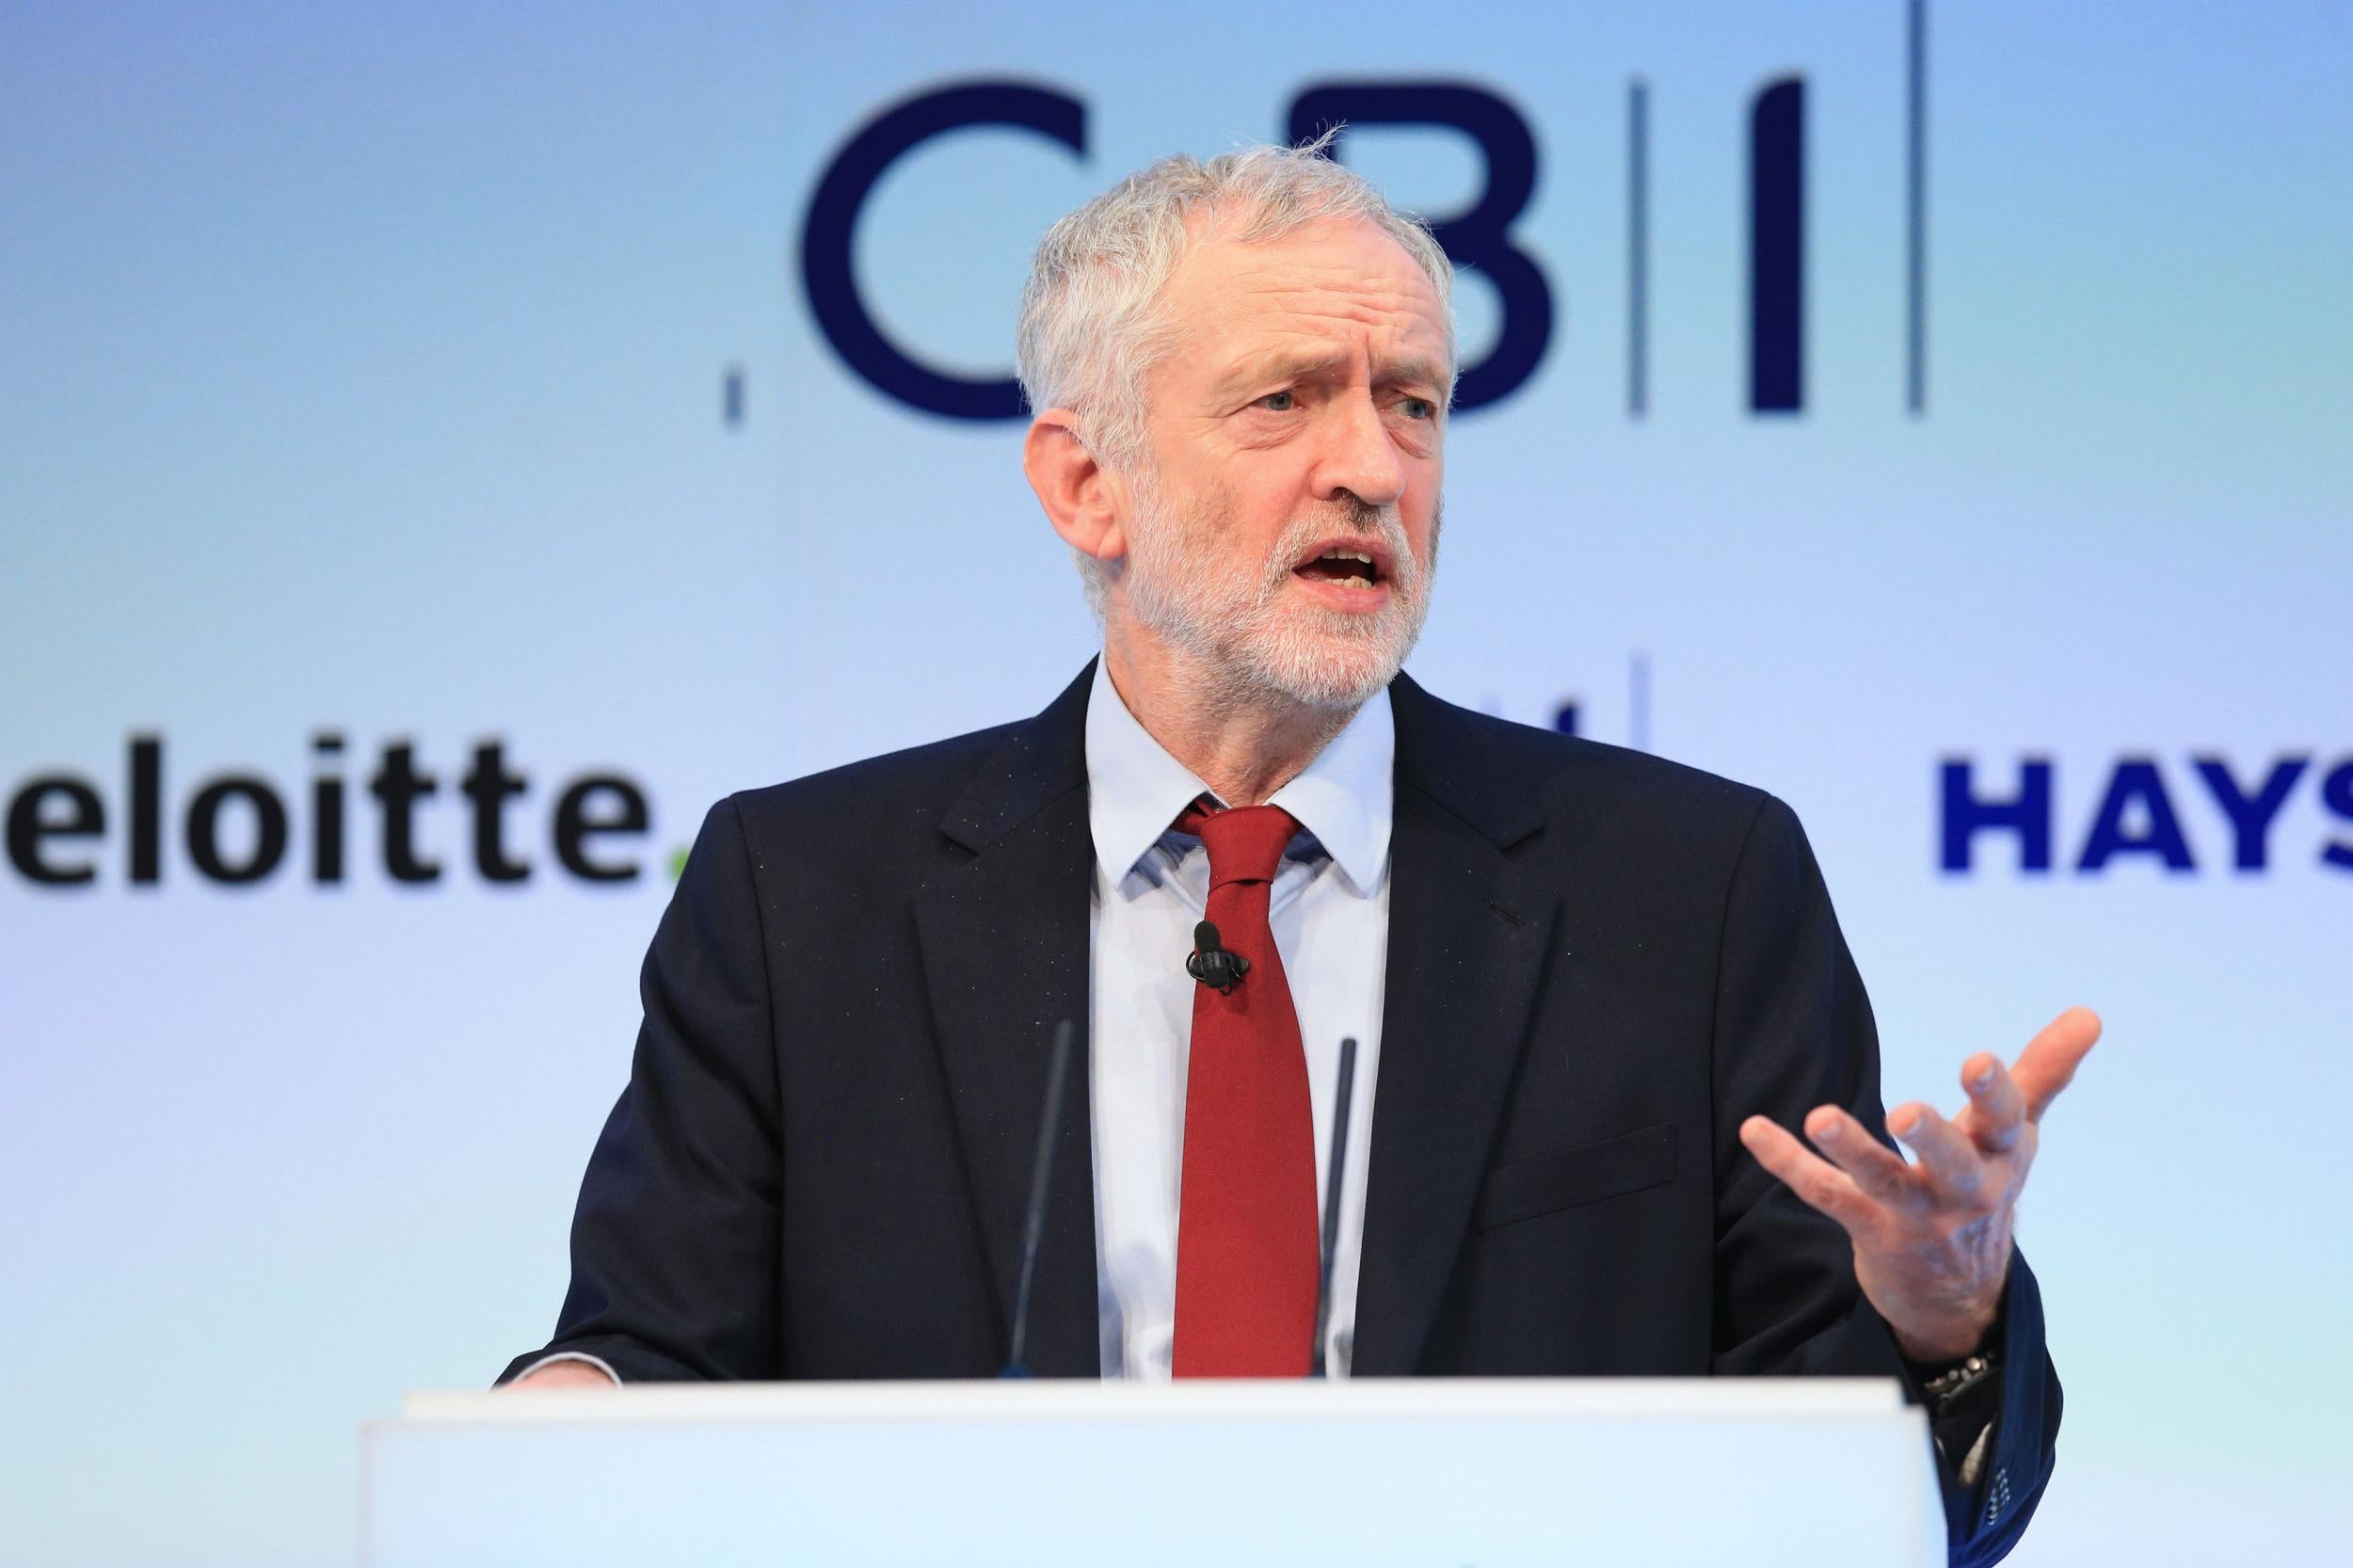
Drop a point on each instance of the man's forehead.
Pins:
(1404, 359)
(1348, 256)
(1311, 301)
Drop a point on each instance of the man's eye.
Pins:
(1280, 402)
(1419, 408)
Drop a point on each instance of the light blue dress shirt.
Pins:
(1330, 912)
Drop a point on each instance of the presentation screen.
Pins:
(447, 448)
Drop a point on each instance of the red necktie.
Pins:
(1246, 1218)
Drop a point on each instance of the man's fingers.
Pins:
(1997, 1107)
(2049, 1062)
(1879, 1171)
(1819, 1184)
(1950, 1161)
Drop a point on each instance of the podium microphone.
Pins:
(1041, 1179)
(1332, 1184)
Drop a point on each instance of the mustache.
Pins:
(1380, 525)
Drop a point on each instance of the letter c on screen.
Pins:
(833, 214)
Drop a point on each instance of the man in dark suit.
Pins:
(1595, 989)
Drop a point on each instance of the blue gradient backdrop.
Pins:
(361, 370)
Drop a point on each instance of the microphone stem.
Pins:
(1337, 1171)
(1041, 1176)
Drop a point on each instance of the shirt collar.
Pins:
(1135, 789)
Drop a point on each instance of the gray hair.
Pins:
(1090, 331)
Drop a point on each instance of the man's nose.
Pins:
(1358, 457)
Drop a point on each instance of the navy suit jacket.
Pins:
(1599, 963)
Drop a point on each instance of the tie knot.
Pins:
(1245, 842)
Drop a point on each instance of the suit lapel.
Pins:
(1005, 958)
(1469, 932)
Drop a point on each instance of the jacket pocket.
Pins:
(1526, 1189)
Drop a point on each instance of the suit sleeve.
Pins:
(1793, 1030)
(675, 1243)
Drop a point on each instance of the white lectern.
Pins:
(1427, 1472)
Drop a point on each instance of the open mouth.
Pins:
(1342, 567)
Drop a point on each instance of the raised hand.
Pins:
(1932, 1237)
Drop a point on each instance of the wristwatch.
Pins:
(1950, 1388)
(1962, 1400)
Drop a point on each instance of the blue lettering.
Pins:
(2336, 792)
(833, 211)
(1777, 247)
(2026, 813)
(2250, 815)
(2136, 779)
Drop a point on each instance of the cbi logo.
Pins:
(2139, 814)
(1479, 238)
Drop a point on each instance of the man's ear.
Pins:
(1082, 500)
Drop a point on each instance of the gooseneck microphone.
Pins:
(1211, 965)
(1041, 1181)
(1333, 1180)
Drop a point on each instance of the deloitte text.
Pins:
(237, 827)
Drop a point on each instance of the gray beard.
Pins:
(1237, 637)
